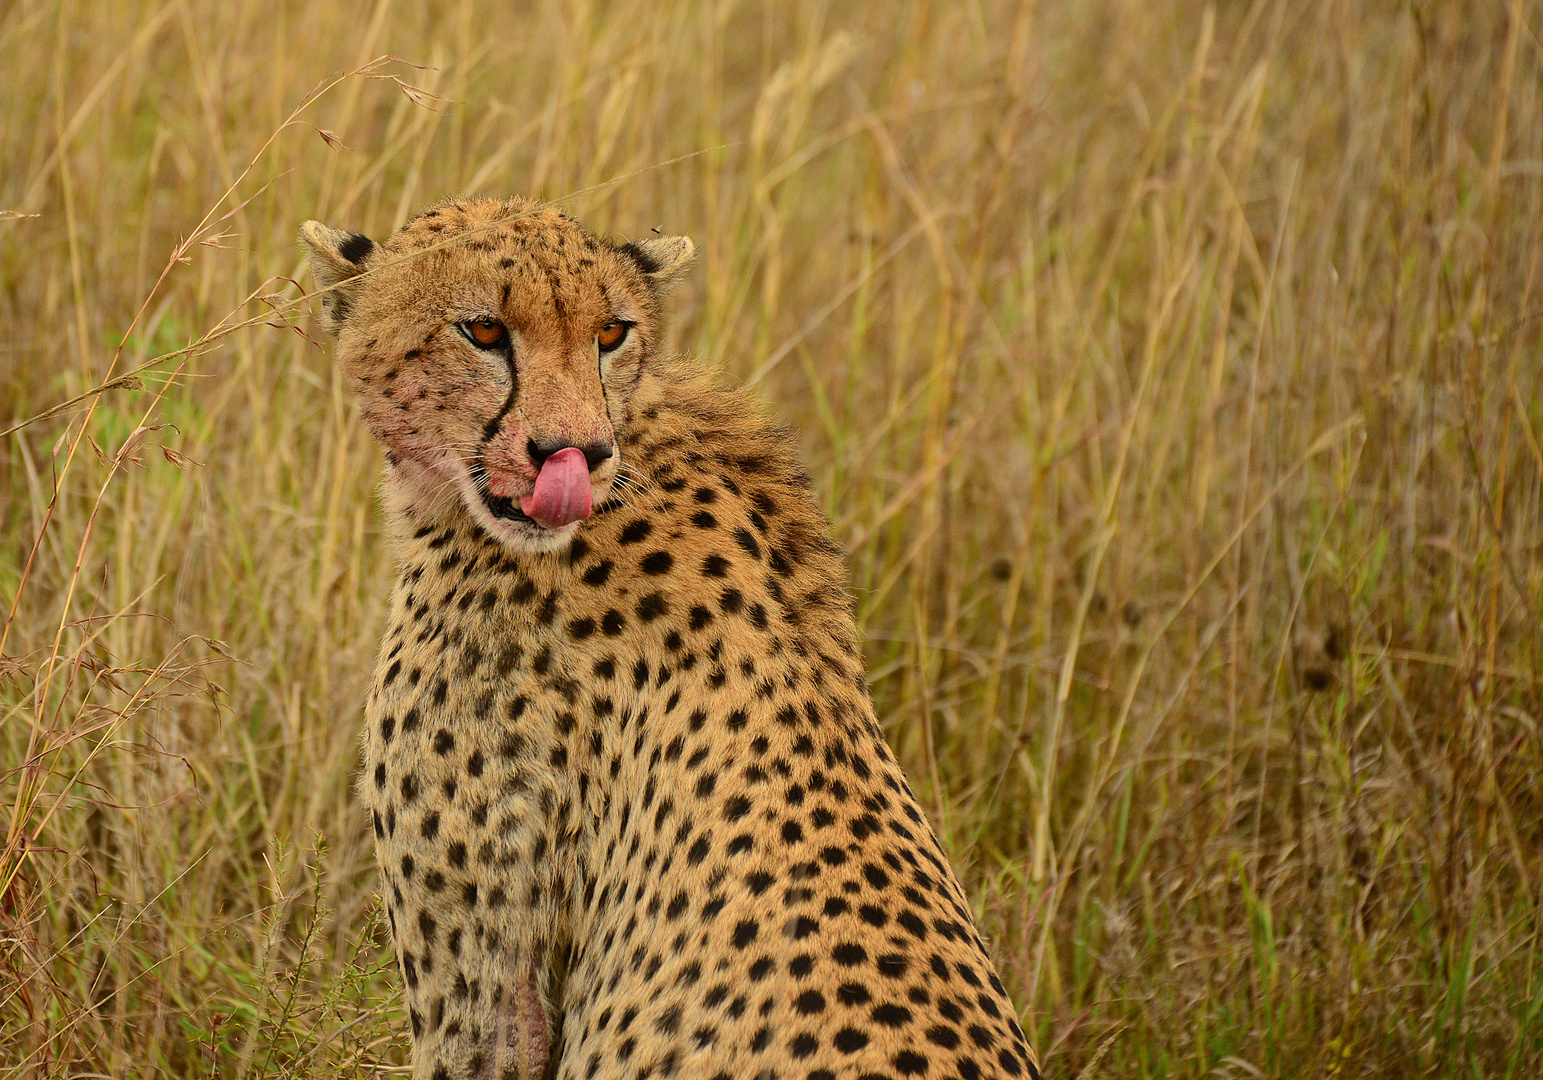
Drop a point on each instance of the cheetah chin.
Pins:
(633, 812)
(503, 520)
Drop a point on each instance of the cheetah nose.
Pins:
(561, 495)
(595, 453)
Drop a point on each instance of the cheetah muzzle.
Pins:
(632, 810)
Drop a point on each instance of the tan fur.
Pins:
(633, 812)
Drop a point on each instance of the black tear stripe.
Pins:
(356, 247)
(491, 427)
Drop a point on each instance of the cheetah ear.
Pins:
(664, 260)
(337, 257)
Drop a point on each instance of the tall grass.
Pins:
(1171, 372)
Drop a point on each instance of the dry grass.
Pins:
(1172, 377)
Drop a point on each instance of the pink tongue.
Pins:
(561, 496)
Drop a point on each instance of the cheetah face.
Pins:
(494, 347)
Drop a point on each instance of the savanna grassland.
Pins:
(1171, 372)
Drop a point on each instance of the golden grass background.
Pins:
(1171, 372)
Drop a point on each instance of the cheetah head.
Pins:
(494, 346)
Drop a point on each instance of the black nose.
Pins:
(594, 453)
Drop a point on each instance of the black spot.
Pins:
(715, 566)
(356, 247)
(810, 1002)
(702, 519)
(748, 542)
(910, 1063)
(944, 1036)
(893, 965)
(652, 606)
(745, 933)
(597, 574)
(508, 658)
(579, 629)
(548, 610)
(657, 562)
(849, 954)
(874, 915)
(891, 1015)
(852, 994)
(635, 531)
(850, 1040)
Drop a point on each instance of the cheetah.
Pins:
(633, 813)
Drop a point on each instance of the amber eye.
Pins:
(485, 332)
(611, 335)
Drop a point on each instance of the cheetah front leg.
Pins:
(505, 1034)
(522, 1037)
(482, 977)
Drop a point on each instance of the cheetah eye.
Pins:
(611, 335)
(485, 333)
